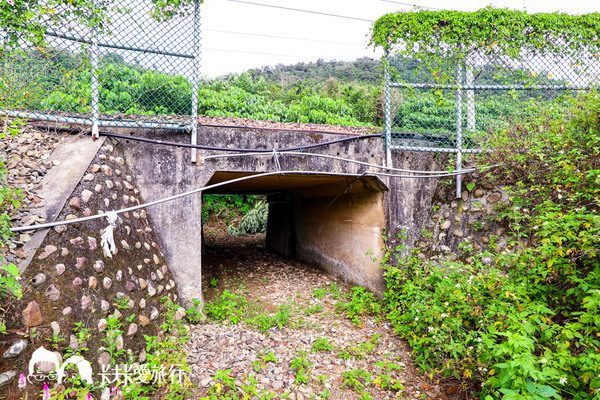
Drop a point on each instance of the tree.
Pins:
(27, 20)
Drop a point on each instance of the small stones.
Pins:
(119, 275)
(142, 283)
(464, 196)
(52, 293)
(494, 198)
(109, 184)
(88, 178)
(104, 305)
(77, 282)
(50, 249)
(143, 320)
(55, 328)
(120, 161)
(17, 348)
(87, 212)
(156, 259)
(446, 225)
(104, 360)
(102, 324)
(107, 203)
(64, 252)
(60, 228)
(130, 286)
(125, 245)
(153, 313)
(60, 269)
(75, 203)
(119, 342)
(32, 315)
(160, 289)
(95, 168)
(99, 266)
(132, 329)
(77, 241)
(107, 170)
(98, 188)
(66, 311)
(458, 233)
(93, 282)
(38, 279)
(86, 196)
(159, 274)
(151, 290)
(80, 262)
(139, 267)
(142, 303)
(7, 377)
(179, 314)
(478, 193)
(86, 301)
(93, 243)
(117, 314)
(106, 282)
(147, 246)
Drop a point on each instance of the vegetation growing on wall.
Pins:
(526, 326)
(516, 34)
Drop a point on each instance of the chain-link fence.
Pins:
(138, 71)
(451, 106)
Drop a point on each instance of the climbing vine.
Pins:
(27, 20)
(434, 36)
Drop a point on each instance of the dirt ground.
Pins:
(243, 263)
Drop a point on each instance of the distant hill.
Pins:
(363, 70)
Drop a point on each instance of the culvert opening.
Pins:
(329, 221)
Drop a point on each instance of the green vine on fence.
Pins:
(446, 34)
(27, 20)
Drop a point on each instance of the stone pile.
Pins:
(73, 284)
(27, 159)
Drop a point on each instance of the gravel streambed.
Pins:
(242, 264)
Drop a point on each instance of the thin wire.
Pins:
(412, 5)
(295, 153)
(202, 189)
(194, 146)
(174, 197)
(304, 11)
(261, 53)
(281, 37)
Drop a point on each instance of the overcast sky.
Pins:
(237, 36)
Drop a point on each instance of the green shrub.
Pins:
(527, 326)
(254, 221)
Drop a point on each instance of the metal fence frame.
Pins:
(465, 90)
(95, 121)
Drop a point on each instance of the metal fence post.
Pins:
(388, 117)
(459, 128)
(95, 85)
(469, 82)
(195, 80)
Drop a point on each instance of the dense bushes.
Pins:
(528, 326)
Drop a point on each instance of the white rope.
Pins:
(296, 153)
(276, 159)
(108, 241)
(202, 189)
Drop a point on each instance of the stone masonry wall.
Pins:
(71, 281)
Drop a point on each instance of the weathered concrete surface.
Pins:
(74, 154)
(409, 200)
(165, 171)
(343, 237)
(349, 217)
